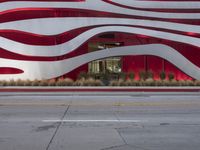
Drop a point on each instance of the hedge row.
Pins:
(151, 82)
(94, 82)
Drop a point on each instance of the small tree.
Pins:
(162, 75)
(132, 75)
(142, 75)
(171, 76)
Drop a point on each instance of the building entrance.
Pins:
(111, 65)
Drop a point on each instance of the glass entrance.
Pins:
(111, 65)
(108, 65)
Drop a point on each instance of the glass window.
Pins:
(107, 65)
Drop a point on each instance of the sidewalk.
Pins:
(99, 90)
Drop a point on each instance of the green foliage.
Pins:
(162, 75)
(132, 75)
(142, 75)
(171, 76)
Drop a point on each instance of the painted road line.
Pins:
(88, 121)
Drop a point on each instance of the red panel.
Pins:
(9, 70)
(31, 13)
(133, 63)
(179, 75)
(156, 65)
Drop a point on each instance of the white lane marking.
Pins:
(111, 121)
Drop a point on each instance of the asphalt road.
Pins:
(100, 122)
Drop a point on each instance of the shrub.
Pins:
(52, 82)
(113, 83)
(171, 76)
(149, 74)
(122, 76)
(128, 82)
(90, 75)
(11, 83)
(65, 82)
(43, 83)
(135, 83)
(162, 75)
(83, 75)
(166, 82)
(121, 82)
(89, 82)
(19, 82)
(27, 83)
(189, 83)
(68, 82)
(158, 83)
(197, 83)
(131, 75)
(181, 83)
(35, 82)
(79, 82)
(3, 83)
(141, 83)
(173, 83)
(142, 75)
(105, 78)
(149, 82)
(98, 83)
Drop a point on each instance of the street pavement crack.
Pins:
(121, 137)
(57, 128)
(113, 147)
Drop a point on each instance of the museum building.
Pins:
(42, 39)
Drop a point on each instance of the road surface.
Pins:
(146, 122)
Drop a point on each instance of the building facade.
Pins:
(41, 39)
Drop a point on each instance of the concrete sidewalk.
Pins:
(105, 90)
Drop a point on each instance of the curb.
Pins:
(97, 89)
